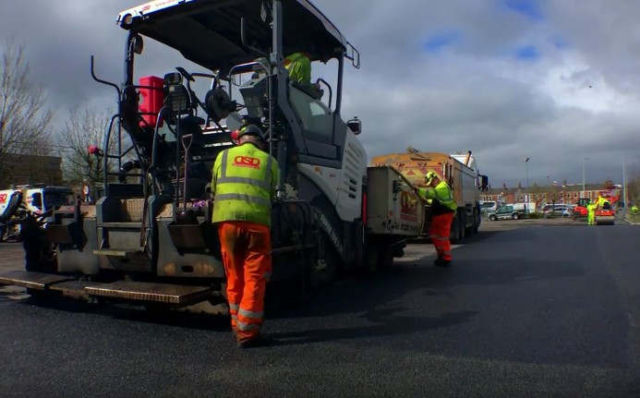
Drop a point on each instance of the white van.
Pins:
(524, 207)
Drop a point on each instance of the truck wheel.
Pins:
(379, 255)
(476, 221)
(454, 236)
(457, 228)
(492, 218)
(515, 216)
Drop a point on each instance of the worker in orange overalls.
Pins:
(443, 210)
(244, 182)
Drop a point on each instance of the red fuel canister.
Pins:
(151, 100)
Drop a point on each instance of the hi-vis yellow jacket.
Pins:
(441, 194)
(244, 181)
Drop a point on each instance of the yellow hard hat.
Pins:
(430, 176)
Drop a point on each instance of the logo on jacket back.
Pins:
(246, 161)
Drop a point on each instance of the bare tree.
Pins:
(85, 127)
(24, 123)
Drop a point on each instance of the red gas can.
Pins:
(151, 100)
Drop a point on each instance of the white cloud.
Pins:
(578, 98)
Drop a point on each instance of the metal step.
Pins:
(74, 289)
(150, 292)
(32, 280)
(113, 252)
(127, 290)
(122, 225)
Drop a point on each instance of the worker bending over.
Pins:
(443, 210)
(244, 182)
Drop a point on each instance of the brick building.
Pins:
(544, 195)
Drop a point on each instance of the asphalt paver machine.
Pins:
(149, 236)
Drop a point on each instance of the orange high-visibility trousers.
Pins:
(246, 254)
(439, 233)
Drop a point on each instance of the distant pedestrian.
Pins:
(443, 210)
(591, 213)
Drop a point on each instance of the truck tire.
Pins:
(462, 225)
(457, 228)
(476, 220)
(471, 228)
(379, 254)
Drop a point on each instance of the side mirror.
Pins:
(355, 125)
(138, 44)
(396, 187)
(484, 185)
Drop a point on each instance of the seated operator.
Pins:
(299, 67)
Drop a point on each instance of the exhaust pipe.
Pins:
(466, 161)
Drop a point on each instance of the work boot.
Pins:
(258, 341)
(440, 262)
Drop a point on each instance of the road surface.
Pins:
(528, 308)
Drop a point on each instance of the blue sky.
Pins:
(439, 41)
(528, 53)
(529, 8)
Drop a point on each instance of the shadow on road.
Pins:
(387, 324)
(132, 312)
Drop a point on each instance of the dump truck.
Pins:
(149, 238)
(461, 173)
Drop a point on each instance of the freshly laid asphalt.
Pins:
(527, 309)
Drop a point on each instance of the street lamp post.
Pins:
(624, 186)
(584, 190)
(526, 196)
(526, 168)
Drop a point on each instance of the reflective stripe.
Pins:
(244, 180)
(225, 156)
(250, 314)
(247, 326)
(234, 307)
(244, 198)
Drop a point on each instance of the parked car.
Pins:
(489, 206)
(557, 210)
(506, 213)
